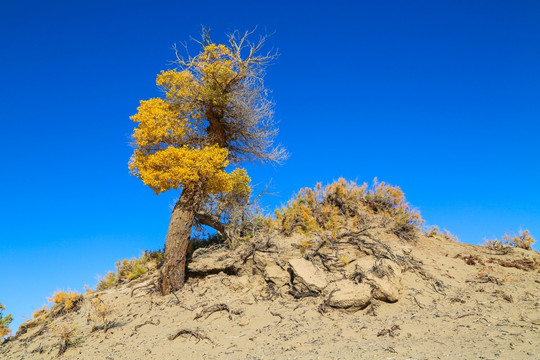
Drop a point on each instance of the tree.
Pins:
(4, 322)
(215, 115)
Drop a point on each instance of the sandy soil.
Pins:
(454, 301)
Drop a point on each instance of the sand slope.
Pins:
(431, 299)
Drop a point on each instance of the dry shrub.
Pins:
(41, 313)
(343, 204)
(524, 241)
(66, 332)
(304, 245)
(4, 322)
(434, 231)
(99, 313)
(449, 236)
(495, 245)
(127, 270)
(108, 281)
(68, 300)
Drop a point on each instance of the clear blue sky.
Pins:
(439, 97)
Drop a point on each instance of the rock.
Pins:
(348, 295)
(210, 261)
(306, 276)
(406, 250)
(385, 279)
(277, 275)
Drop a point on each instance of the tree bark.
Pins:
(172, 273)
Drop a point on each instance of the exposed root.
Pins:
(215, 308)
(300, 295)
(149, 288)
(195, 333)
(147, 322)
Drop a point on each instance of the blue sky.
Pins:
(439, 97)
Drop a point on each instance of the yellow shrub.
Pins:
(66, 299)
(340, 205)
(41, 312)
(108, 281)
(304, 245)
(496, 244)
(524, 240)
(131, 269)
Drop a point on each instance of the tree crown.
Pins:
(215, 113)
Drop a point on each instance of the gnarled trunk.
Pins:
(172, 273)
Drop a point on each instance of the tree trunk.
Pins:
(172, 273)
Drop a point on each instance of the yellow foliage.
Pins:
(524, 240)
(108, 281)
(67, 299)
(41, 312)
(389, 199)
(304, 245)
(339, 206)
(496, 244)
(169, 153)
(131, 269)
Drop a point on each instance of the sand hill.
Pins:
(370, 296)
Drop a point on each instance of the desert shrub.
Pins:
(99, 313)
(524, 241)
(432, 231)
(4, 322)
(304, 245)
(496, 244)
(449, 236)
(108, 281)
(66, 332)
(388, 199)
(342, 204)
(68, 300)
(127, 270)
(300, 213)
(41, 312)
